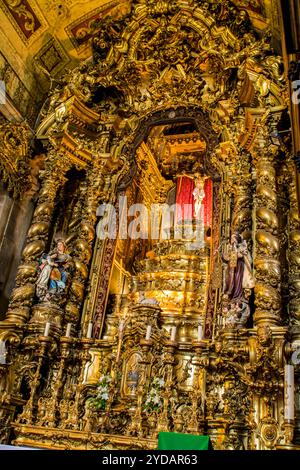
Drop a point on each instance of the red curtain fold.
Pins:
(184, 198)
(207, 202)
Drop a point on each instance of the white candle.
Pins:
(289, 393)
(200, 332)
(2, 352)
(47, 329)
(68, 330)
(121, 326)
(90, 330)
(173, 333)
(148, 332)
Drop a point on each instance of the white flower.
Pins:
(104, 380)
(104, 396)
(156, 400)
(153, 399)
(158, 381)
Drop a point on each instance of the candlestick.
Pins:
(90, 330)
(148, 332)
(47, 329)
(121, 326)
(173, 333)
(68, 330)
(200, 333)
(2, 352)
(289, 392)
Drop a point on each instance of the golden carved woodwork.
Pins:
(15, 154)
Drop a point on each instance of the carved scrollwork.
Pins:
(15, 154)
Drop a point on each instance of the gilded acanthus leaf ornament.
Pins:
(169, 52)
(15, 154)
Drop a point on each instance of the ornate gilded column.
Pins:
(294, 286)
(241, 186)
(99, 178)
(236, 216)
(56, 166)
(294, 257)
(93, 310)
(84, 241)
(102, 262)
(267, 246)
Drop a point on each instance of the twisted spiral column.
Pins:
(242, 211)
(83, 244)
(267, 246)
(96, 185)
(53, 177)
(294, 257)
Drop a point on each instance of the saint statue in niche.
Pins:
(238, 282)
(53, 272)
(239, 271)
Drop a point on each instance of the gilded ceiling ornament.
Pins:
(24, 16)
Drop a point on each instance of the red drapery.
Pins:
(207, 202)
(184, 198)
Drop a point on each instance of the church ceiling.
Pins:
(54, 34)
(41, 39)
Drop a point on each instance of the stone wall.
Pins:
(15, 217)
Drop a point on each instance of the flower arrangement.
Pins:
(153, 400)
(103, 388)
